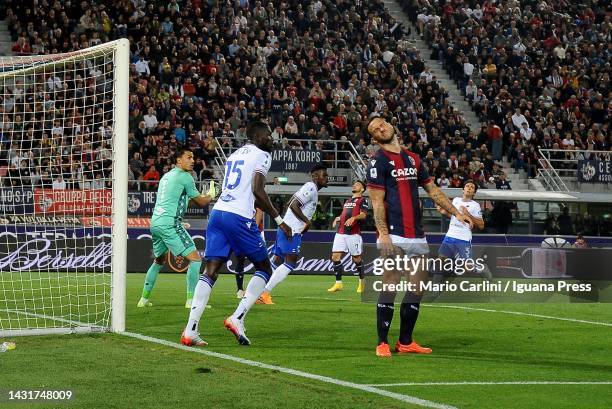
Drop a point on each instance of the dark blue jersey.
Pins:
(399, 175)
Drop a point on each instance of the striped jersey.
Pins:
(351, 208)
(399, 175)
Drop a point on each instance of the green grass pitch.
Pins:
(326, 334)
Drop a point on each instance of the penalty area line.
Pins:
(366, 388)
(468, 383)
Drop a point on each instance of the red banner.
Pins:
(81, 202)
(107, 221)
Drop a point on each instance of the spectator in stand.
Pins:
(142, 67)
(150, 119)
(456, 181)
(566, 226)
(526, 132)
(494, 135)
(152, 175)
(581, 242)
(551, 226)
(502, 183)
(501, 216)
(443, 181)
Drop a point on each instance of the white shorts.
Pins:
(348, 243)
(411, 247)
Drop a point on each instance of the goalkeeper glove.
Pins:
(212, 190)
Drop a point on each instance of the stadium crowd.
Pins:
(199, 71)
(537, 72)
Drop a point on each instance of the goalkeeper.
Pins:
(176, 191)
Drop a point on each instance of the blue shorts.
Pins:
(455, 248)
(229, 232)
(285, 246)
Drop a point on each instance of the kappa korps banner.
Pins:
(294, 160)
(595, 171)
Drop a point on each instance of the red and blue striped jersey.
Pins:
(400, 175)
(351, 208)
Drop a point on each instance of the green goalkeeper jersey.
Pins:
(175, 190)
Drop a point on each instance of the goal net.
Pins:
(63, 191)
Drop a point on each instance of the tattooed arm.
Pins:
(380, 216)
(385, 244)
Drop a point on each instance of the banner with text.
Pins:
(143, 203)
(16, 200)
(89, 201)
(595, 171)
(294, 160)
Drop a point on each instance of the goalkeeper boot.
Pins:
(383, 351)
(240, 294)
(237, 328)
(193, 341)
(188, 303)
(361, 286)
(336, 287)
(265, 298)
(144, 302)
(412, 348)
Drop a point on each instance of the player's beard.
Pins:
(383, 140)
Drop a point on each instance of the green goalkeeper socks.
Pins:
(193, 273)
(150, 279)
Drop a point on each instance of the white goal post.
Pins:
(63, 191)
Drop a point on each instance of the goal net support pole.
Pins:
(120, 186)
(63, 245)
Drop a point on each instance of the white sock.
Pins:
(198, 304)
(252, 293)
(280, 273)
(338, 281)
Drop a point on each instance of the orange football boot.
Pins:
(383, 351)
(265, 298)
(412, 348)
(196, 341)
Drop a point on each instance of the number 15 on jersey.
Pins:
(232, 168)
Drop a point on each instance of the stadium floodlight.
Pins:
(63, 202)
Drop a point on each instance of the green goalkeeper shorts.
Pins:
(174, 238)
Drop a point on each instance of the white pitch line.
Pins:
(550, 317)
(468, 383)
(457, 307)
(366, 388)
